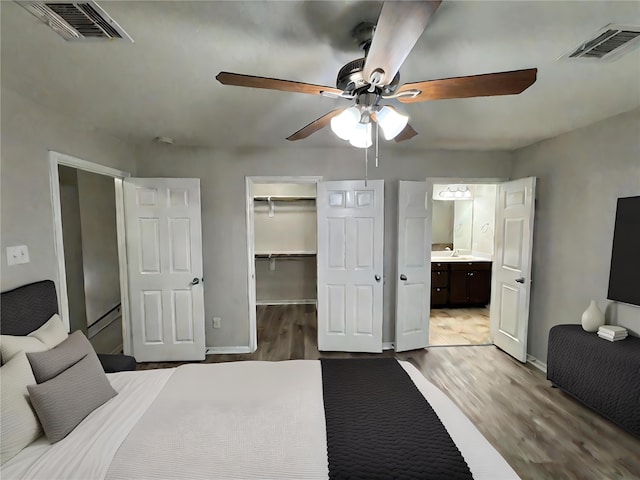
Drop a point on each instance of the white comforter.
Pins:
(240, 420)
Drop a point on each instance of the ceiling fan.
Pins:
(369, 80)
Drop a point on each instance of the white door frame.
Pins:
(56, 159)
(250, 181)
(431, 181)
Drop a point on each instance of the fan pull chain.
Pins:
(377, 143)
(366, 166)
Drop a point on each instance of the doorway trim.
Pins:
(56, 159)
(250, 181)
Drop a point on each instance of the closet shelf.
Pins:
(279, 198)
(284, 254)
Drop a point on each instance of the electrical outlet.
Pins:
(216, 322)
(17, 255)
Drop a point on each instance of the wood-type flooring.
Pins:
(543, 433)
(459, 326)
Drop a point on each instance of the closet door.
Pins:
(350, 265)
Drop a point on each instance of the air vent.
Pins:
(609, 43)
(77, 20)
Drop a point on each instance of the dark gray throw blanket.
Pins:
(379, 426)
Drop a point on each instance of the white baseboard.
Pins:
(537, 363)
(388, 346)
(225, 350)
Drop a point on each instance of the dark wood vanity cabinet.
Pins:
(439, 284)
(470, 284)
(460, 284)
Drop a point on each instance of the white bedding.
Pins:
(239, 420)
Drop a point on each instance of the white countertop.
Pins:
(461, 258)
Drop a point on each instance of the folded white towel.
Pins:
(607, 335)
(612, 329)
(612, 339)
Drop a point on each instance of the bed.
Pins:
(297, 419)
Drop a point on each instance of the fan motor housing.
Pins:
(351, 78)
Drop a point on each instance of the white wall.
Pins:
(484, 220)
(292, 228)
(580, 176)
(462, 225)
(222, 175)
(28, 133)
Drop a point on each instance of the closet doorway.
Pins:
(281, 247)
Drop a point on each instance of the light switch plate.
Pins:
(17, 255)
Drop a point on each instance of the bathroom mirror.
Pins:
(452, 224)
(462, 223)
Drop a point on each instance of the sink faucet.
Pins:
(455, 253)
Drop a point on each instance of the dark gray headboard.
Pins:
(26, 308)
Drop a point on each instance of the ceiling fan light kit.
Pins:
(354, 124)
(391, 122)
(344, 124)
(361, 135)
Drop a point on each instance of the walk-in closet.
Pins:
(284, 216)
(285, 243)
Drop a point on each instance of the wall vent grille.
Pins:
(77, 20)
(609, 43)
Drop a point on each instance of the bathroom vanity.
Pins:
(460, 282)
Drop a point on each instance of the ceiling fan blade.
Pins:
(240, 80)
(399, 27)
(314, 126)
(487, 85)
(407, 133)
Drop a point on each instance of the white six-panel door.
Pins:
(350, 265)
(164, 255)
(413, 282)
(512, 266)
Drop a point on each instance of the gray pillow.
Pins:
(48, 364)
(64, 401)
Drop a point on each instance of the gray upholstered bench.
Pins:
(603, 375)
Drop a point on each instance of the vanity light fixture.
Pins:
(456, 193)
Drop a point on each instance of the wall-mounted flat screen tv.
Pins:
(624, 276)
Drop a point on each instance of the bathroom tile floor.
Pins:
(459, 326)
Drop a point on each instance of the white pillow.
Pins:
(20, 424)
(44, 338)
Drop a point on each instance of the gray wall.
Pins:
(224, 231)
(72, 238)
(580, 176)
(28, 132)
(99, 244)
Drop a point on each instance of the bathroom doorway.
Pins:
(463, 226)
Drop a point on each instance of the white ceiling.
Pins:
(163, 84)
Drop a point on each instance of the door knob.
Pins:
(378, 278)
(520, 280)
(403, 277)
(195, 281)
